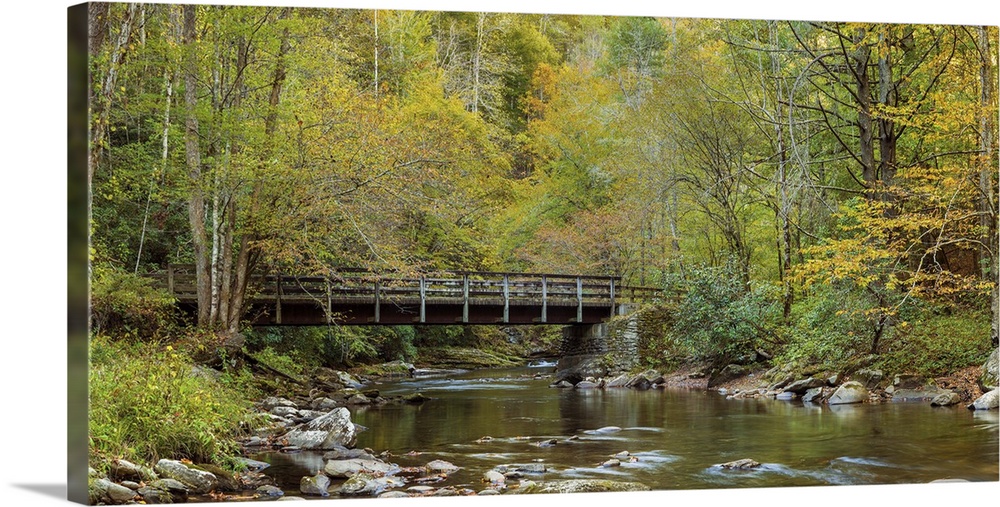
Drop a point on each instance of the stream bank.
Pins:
(338, 434)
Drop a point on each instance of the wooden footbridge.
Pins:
(361, 297)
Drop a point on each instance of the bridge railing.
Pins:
(466, 288)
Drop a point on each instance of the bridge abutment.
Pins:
(599, 350)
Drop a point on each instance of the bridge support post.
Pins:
(465, 298)
(277, 300)
(378, 300)
(329, 301)
(579, 299)
(423, 299)
(170, 278)
(612, 295)
(545, 299)
(506, 299)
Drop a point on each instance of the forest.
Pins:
(815, 192)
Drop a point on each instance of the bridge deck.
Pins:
(351, 297)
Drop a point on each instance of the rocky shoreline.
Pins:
(976, 387)
(317, 418)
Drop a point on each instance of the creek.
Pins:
(677, 435)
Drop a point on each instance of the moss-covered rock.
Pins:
(989, 378)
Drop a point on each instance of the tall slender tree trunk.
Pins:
(168, 77)
(784, 202)
(247, 255)
(100, 104)
(376, 53)
(477, 61)
(988, 213)
(196, 201)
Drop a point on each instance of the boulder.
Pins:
(579, 486)
(849, 392)
(924, 392)
(562, 384)
(814, 395)
(494, 478)
(106, 491)
(945, 400)
(198, 481)
(613, 462)
(740, 464)
(325, 432)
(988, 401)
(284, 411)
(785, 396)
(586, 384)
(340, 452)
(869, 378)
(268, 492)
(323, 404)
(415, 398)
(531, 468)
(178, 492)
(359, 399)
(252, 464)
(644, 380)
(315, 485)
(275, 401)
(354, 466)
(441, 466)
(125, 470)
(800, 387)
(781, 383)
(365, 484)
(345, 378)
(227, 481)
(989, 378)
(151, 495)
(619, 381)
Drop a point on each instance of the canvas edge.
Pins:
(78, 213)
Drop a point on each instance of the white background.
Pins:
(33, 244)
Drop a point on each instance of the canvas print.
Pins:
(369, 253)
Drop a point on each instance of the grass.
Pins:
(146, 404)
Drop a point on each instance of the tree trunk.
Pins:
(196, 201)
(866, 136)
(988, 213)
(784, 202)
(101, 104)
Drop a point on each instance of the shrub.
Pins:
(129, 306)
(146, 404)
(718, 318)
(937, 343)
(828, 327)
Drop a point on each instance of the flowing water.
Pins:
(677, 436)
